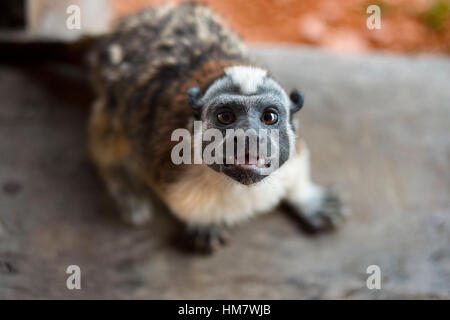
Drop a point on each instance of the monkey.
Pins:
(166, 67)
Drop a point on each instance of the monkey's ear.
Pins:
(193, 96)
(297, 100)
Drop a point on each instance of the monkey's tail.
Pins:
(55, 64)
(33, 52)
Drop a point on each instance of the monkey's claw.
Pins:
(328, 216)
(205, 240)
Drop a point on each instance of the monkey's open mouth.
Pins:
(249, 163)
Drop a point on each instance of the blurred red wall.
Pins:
(338, 25)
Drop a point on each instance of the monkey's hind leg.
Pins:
(134, 202)
(318, 208)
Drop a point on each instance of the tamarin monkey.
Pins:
(165, 68)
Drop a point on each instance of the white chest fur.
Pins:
(207, 197)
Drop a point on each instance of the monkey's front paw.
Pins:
(328, 216)
(325, 217)
(205, 240)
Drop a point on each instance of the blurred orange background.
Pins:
(338, 25)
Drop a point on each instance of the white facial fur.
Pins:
(248, 78)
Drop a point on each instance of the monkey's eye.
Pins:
(226, 117)
(269, 117)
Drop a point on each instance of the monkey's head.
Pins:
(246, 123)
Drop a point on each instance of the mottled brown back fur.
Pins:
(142, 73)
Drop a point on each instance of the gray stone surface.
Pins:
(378, 130)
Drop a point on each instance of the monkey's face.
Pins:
(246, 124)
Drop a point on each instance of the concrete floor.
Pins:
(378, 130)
